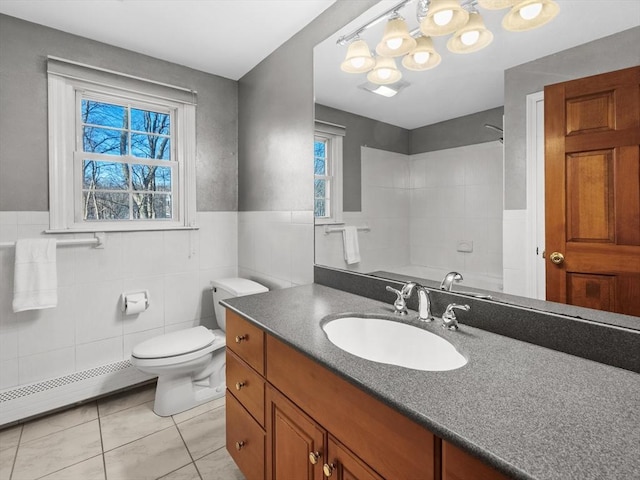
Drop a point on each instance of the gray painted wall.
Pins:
(24, 177)
(361, 131)
(457, 132)
(275, 139)
(604, 55)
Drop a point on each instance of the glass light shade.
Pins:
(396, 40)
(358, 59)
(462, 41)
(496, 4)
(424, 48)
(385, 72)
(432, 25)
(521, 17)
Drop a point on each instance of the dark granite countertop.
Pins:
(531, 412)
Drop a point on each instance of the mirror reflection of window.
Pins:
(327, 171)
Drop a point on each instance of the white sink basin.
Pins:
(387, 341)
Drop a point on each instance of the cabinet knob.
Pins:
(240, 338)
(239, 385)
(328, 469)
(239, 445)
(314, 457)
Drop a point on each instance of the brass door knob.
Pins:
(314, 457)
(239, 445)
(240, 338)
(557, 258)
(239, 385)
(328, 469)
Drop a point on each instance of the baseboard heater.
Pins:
(25, 401)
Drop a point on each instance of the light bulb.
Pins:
(421, 57)
(357, 62)
(470, 38)
(442, 18)
(531, 11)
(394, 43)
(384, 73)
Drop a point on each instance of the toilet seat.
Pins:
(180, 342)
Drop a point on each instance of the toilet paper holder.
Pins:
(134, 302)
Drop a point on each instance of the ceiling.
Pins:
(222, 37)
(468, 83)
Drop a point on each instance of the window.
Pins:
(122, 153)
(327, 164)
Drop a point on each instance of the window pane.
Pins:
(103, 140)
(150, 146)
(105, 114)
(320, 208)
(152, 122)
(105, 206)
(104, 175)
(320, 190)
(147, 206)
(320, 158)
(154, 179)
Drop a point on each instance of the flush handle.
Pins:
(557, 258)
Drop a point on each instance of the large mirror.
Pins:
(443, 176)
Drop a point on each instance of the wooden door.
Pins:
(592, 183)
(296, 444)
(344, 465)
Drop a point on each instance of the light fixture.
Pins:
(385, 90)
(385, 72)
(443, 17)
(396, 40)
(496, 4)
(472, 37)
(358, 59)
(423, 57)
(530, 14)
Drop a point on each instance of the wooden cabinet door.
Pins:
(592, 183)
(459, 465)
(293, 439)
(344, 465)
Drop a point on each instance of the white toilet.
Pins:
(190, 363)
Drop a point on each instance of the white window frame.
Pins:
(334, 135)
(65, 178)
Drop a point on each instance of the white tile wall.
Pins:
(276, 248)
(88, 329)
(514, 241)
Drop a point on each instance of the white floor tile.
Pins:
(218, 466)
(128, 399)
(131, 424)
(92, 469)
(59, 421)
(188, 472)
(205, 433)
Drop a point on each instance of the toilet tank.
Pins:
(231, 287)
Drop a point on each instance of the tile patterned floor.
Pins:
(120, 438)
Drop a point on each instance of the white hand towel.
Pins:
(351, 246)
(35, 283)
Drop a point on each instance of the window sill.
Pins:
(116, 229)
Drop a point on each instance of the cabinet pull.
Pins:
(240, 338)
(314, 457)
(239, 385)
(328, 469)
(239, 445)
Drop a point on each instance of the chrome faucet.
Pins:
(449, 319)
(449, 278)
(424, 301)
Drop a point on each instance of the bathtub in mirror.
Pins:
(437, 188)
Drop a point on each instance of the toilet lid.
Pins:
(175, 343)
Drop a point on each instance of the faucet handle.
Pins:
(449, 319)
(400, 303)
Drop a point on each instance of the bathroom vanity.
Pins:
(300, 407)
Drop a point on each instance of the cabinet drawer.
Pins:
(245, 340)
(387, 441)
(245, 440)
(246, 385)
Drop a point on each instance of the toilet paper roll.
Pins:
(135, 303)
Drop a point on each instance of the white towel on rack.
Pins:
(351, 246)
(35, 284)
